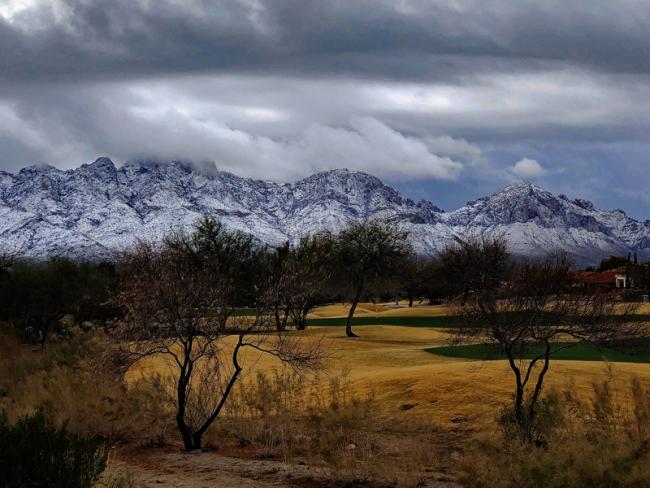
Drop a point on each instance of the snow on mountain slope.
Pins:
(98, 209)
(535, 221)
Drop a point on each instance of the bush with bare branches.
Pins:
(531, 313)
(170, 295)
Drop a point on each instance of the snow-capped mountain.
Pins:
(534, 222)
(98, 209)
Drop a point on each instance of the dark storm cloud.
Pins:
(448, 99)
(404, 39)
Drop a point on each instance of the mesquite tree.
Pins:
(170, 295)
(299, 278)
(307, 274)
(474, 265)
(532, 316)
(366, 253)
(231, 259)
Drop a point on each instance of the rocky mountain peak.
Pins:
(98, 208)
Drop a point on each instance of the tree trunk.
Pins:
(278, 323)
(301, 323)
(287, 314)
(191, 441)
(301, 317)
(348, 324)
(196, 437)
(532, 406)
(222, 322)
(43, 332)
(410, 301)
(518, 407)
(186, 434)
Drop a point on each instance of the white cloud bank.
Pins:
(249, 139)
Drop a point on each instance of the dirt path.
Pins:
(160, 468)
(206, 469)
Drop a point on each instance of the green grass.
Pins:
(441, 321)
(635, 352)
(438, 321)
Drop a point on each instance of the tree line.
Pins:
(183, 298)
(367, 261)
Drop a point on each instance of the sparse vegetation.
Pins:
(601, 442)
(168, 295)
(206, 336)
(533, 309)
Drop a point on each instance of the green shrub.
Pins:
(35, 453)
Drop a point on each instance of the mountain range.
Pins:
(98, 209)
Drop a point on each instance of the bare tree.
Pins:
(365, 253)
(531, 317)
(169, 296)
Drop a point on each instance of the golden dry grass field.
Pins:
(409, 383)
(418, 418)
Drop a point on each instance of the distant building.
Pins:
(593, 279)
(623, 278)
(613, 278)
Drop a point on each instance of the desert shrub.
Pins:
(325, 421)
(33, 452)
(67, 385)
(321, 420)
(340, 422)
(550, 416)
(265, 411)
(285, 409)
(603, 442)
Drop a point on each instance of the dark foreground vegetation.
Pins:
(202, 303)
(33, 452)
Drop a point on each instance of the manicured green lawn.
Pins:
(441, 321)
(635, 352)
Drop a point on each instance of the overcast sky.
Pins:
(447, 100)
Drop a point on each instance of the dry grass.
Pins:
(600, 442)
(63, 382)
(380, 393)
(445, 392)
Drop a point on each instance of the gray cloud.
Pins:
(416, 91)
(258, 137)
(414, 39)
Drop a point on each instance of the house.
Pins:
(593, 279)
(623, 278)
(613, 278)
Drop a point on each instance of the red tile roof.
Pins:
(594, 277)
